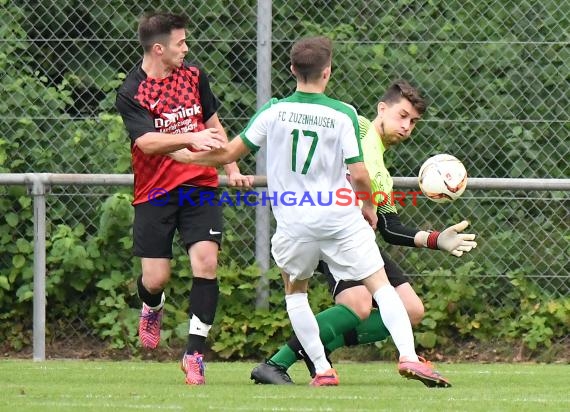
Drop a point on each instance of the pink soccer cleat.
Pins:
(328, 378)
(193, 367)
(424, 372)
(149, 327)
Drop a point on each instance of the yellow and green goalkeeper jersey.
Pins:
(373, 150)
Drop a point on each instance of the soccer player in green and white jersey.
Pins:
(311, 140)
(398, 111)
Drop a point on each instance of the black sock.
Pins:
(351, 338)
(196, 343)
(151, 299)
(203, 303)
(296, 347)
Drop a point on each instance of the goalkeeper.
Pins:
(399, 109)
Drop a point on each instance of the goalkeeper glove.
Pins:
(452, 240)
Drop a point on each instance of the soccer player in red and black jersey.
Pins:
(168, 108)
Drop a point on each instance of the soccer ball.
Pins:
(442, 178)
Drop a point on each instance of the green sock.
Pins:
(333, 322)
(337, 342)
(285, 357)
(371, 329)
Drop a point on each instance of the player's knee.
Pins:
(204, 258)
(412, 303)
(155, 284)
(416, 313)
(358, 300)
(155, 274)
(360, 309)
(155, 280)
(206, 265)
(363, 311)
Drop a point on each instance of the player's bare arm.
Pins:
(153, 143)
(180, 155)
(227, 154)
(235, 178)
(360, 181)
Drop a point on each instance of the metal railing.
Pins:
(39, 184)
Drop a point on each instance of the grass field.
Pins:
(126, 386)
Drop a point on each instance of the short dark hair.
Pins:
(156, 27)
(401, 89)
(309, 56)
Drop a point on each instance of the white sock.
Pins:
(197, 327)
(397, 321)
(307, 330)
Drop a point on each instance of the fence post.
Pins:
(262, 212)
(39, 322)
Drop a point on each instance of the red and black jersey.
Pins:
(179, 103)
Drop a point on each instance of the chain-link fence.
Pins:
(496, 74)
(89, 239)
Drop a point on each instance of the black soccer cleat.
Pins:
(267, 374)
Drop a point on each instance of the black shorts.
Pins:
(393, 271)
(194, 211)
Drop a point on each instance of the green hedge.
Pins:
(57, 116)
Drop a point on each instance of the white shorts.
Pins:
(354, 255)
